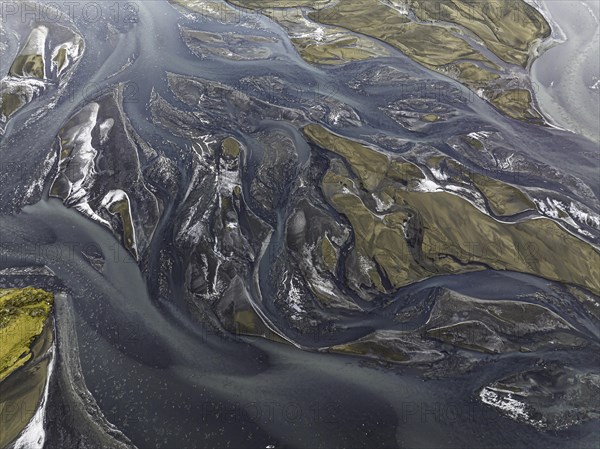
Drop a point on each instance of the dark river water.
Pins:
(165, 381)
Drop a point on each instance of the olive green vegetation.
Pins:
(247, 322)
(60, 59)
(430, 118)
(121, 208)
(376, 240)
(438, 40)
(475, 143)
(329, 254)
(404, 172)
(453, 226)
(508, 29)
(430, 233)
(476, 75)
(337, 50)
(319, 44)
(237, 315)
(10, 103)
(28, 66)
(370, 165)
(230, 148)
(516, 103)
(372, 349)
(503, 199)
(325, 44)
(493, 326)
(23, 313)
(334, 45)
(430, 45)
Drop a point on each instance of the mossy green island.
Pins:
(425, 233)
(23, 315)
